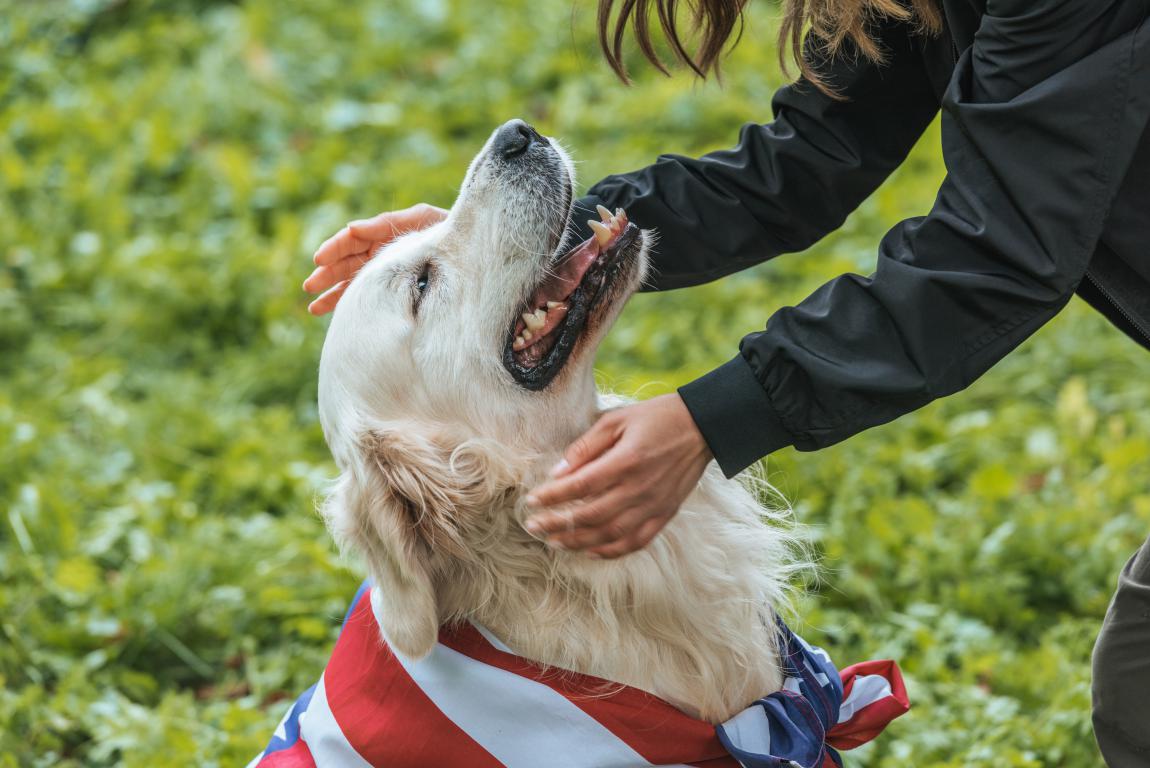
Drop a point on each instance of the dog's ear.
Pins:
(406, 497)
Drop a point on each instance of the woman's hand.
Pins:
(630, 472)
(342, 254)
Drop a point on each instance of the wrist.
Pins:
(730, 407)
(697, 446)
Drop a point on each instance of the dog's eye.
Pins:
(421, 282)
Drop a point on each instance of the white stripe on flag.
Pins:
(521, 722)
(866, 690)
(498, 644)
(750, 730)
(281, 729)
(280, 733)
(324, 737)
(814, 650)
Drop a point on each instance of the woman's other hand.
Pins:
(342, 254)
(625, 478)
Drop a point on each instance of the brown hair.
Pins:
(832, 22)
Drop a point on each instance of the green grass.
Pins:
(168, 166)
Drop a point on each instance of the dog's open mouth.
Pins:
(544, 335)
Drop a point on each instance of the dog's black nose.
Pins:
(514, 137)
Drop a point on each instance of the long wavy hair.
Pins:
(833, 25)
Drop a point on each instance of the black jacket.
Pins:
(1045, 108)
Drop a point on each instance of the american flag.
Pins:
(474, 703)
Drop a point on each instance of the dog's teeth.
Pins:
(526, 335)
(602, 233)
(519, 343)
(534, 320)
(553, 304)
(604, 214)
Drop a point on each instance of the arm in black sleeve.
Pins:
(1040, 121)
(787, 183)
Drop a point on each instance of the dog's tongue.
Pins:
(550, 298)
(567, 274)
(548, 305)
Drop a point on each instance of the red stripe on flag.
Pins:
(295, 756)
(872, 718)
(650, 726)
(383, 714)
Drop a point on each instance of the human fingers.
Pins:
(591, 513)
(615, 519)
(590, 445)
(328, 299)
(389, 225)
(339, 246)
(362, 235)
(326, 276)
(588, 481)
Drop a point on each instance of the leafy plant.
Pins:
(168, 168)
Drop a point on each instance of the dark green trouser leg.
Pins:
(1122, 669)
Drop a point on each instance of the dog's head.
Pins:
(457, 353)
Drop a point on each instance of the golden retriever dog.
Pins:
(457, 367)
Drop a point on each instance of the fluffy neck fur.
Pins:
(690, 618)
(437, 517)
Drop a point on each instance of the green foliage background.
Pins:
(166, 169)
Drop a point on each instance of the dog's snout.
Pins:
(515, 137)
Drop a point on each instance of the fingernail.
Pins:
(532, 500)
(556, 544)
(594, 555)
(559, 468)
(533, 526)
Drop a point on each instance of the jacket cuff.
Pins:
(736, 417)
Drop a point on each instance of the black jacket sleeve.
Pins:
(787, 183)
(1040, 120)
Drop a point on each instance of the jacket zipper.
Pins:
(1134, 323)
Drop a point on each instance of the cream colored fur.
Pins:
(438, 445)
